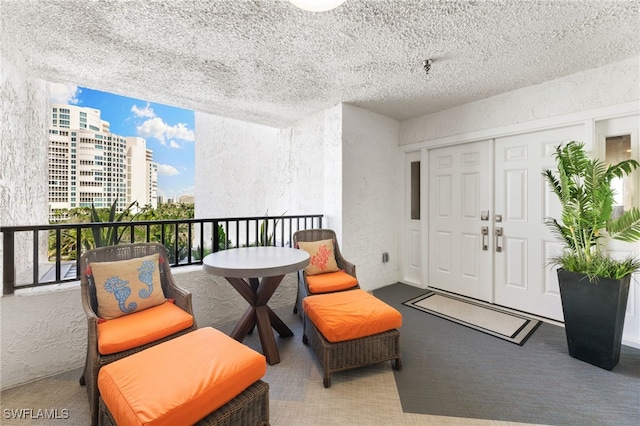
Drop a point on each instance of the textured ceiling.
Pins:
(266, 61)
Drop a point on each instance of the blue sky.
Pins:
(169, 131)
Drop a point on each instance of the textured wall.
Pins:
(23, 201)
(604, 86)
(23, 146)
(332, 164)
(42, 334)
(343, 163)
(245, 169)
(372, 195)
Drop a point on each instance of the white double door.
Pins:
(486, 233)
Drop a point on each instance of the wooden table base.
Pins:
(257, 293)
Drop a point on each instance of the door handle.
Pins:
(498, 234)
(485, 235)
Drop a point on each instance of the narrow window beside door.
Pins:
(618, 148)
(415, 190)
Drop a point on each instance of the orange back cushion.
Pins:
(322, 256)
(127, 286)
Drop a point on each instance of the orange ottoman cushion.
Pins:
(350, 315)
(330, 281)
(142, 327)
(179, 381)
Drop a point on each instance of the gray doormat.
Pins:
(512, 327)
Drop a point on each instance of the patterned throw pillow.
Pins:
(127, 286)
(322, 257)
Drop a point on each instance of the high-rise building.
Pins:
(89, 164)
(142, 173)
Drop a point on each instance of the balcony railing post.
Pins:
(36, 266)
(216, 237)
(58, 253)
(8, 263)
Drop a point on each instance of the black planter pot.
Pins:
(594, 316)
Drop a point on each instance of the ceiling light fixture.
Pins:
(317, 5)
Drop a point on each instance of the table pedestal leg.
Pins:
(260, 315)
(245, 325)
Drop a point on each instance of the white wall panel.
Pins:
(469, 199)
(415, 242)
(516, 195)
(372, 198)
(443, 255)
(550, 250)
(469, 259)
(517, 266)
(443, 195)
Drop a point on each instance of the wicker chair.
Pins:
(317, 235)
(95, 360)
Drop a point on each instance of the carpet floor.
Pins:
(452, 370)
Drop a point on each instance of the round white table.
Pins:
(256, 273)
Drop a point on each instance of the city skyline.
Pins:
(168, 131)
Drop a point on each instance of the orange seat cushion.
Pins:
(348, 315)
(180, 381)
(142, 327)
(329, 282)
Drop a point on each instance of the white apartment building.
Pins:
(142, 173)
(89, 164)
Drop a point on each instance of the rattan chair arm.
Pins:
(86, 303)
(181, 296)
(347, 266)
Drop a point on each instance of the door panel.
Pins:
(460, 188)
(523, 278)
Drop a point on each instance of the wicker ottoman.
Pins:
(203, 377)
(351, 329)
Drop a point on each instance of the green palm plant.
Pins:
(264, 239)
(109, 235)
(583, 187)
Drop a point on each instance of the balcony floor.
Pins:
(376, 395)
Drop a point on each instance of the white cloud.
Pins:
(180, 131)
(146, 112)
(174, 144)
(156, 128)
(63, 93)
(167, 170)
